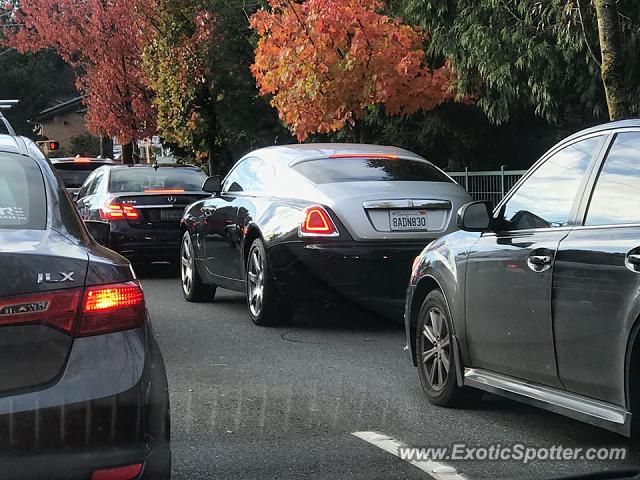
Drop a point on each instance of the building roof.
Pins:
(69, 105)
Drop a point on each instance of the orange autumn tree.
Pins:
(327, 61)
(102, 40)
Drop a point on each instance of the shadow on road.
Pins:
(158, 270)
(333, 314)
(342, 315)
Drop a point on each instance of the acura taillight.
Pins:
(117, 211)
(99, 309)
(57, 309)
(111, 308)
(127, 472)
(317, 222)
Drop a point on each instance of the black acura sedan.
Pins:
(299, 222)
(83, 389)
(143, 204)
(539, 301)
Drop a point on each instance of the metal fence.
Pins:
(491, 186)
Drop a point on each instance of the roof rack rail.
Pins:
(6, 105)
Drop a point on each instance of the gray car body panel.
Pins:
(593, 308)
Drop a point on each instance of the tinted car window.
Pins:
(545, 199)
(333, 170)
(242, 178)
(22, 194)
(148, 179)
(73, 175)
(616, 197)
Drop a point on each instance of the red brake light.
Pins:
(317, 222)
(164, 190)
(112, 308)
(128, 472)
(105, 309)
(364, 155)
(116, 211)
(56, 308)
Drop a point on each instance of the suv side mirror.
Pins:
(213, 184)
(474, 217)
(100, 231)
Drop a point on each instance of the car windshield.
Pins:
(149, 179)
(74, 174)
(22, 194)
(335, 170)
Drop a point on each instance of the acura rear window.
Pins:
(334, 170)
(150, 179)
(23, 202)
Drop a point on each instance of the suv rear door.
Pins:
(509, 273)
(597, 277)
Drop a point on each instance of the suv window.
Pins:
(545, 199)
(242, 177)
(23, 202)
(616, 197)
(74, 174)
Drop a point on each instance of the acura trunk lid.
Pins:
(44, 276)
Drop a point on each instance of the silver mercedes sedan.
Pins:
(301, 222)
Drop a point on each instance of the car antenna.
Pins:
(6, 105)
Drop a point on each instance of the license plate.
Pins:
(408, 220)
(173, 215)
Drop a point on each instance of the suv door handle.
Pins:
(540, 263)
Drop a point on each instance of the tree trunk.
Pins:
(358, 132)
(127, 153)
(612, 67)
(106, 146)
(214, 166)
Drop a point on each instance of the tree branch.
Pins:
(302, 24)
(584, 34)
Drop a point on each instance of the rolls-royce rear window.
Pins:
(334, 170)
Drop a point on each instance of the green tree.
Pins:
(198, 60)
(529, 55)
(28, 78)
(85, 144)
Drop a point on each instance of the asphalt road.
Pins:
(279, 403)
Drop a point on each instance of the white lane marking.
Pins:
(436, 470)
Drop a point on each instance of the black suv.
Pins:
(83, 389)
(74, 170)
